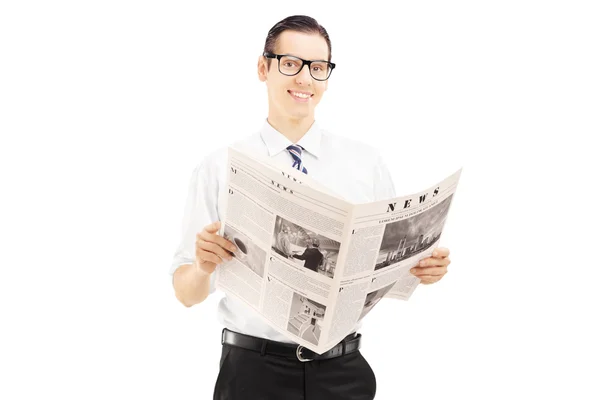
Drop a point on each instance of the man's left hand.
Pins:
(432, 269)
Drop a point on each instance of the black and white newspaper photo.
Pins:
(306, 318)
(408, 237)
(247, 253)
(373, 298)
(303, 247)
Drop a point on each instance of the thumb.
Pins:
(213, 228)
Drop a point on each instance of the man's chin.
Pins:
(300, 114)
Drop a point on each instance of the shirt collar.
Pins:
(277, 142)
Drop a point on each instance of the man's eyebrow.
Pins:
(307, 59)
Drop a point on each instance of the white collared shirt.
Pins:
(353, 170)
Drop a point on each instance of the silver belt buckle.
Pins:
(299, 355)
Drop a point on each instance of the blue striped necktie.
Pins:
(296, 152)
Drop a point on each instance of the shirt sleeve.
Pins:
(383, 184)
(200, 210)
(301, 256)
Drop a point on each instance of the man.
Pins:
(283, 242)
(312, 256)
(257, 361)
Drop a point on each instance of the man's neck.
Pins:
(293, 129)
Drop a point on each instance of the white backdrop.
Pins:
(106, 108)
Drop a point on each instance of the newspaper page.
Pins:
(387, 239)
(308, 261)
(289, 237)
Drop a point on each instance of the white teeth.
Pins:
(301, 95)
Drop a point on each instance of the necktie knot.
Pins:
(296, 153)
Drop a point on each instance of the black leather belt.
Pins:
(350, 344)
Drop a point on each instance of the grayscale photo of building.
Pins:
(408, 237)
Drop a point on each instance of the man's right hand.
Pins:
(212, 249)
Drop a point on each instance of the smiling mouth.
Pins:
(300, 95)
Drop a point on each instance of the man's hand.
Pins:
(432, 269)
(212, 249)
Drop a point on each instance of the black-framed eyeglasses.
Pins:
(292, 65)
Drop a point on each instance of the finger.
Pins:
(434, 271)
(434, 262)
(213, 228)
(217, 239)
(214, 248)
(441, 252)
(206, 256)
(429, 280)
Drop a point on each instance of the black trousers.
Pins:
(248, 375)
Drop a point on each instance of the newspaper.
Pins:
(313, 264)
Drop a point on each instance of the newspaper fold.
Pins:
(313, 264)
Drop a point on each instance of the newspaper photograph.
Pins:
(304, 247)
(313, 264)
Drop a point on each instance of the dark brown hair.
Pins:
(298, 23)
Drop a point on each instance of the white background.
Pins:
(106, 108)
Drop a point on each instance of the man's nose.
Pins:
(304, 77)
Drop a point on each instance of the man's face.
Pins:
(284, 90)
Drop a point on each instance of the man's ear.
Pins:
(262, 68)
